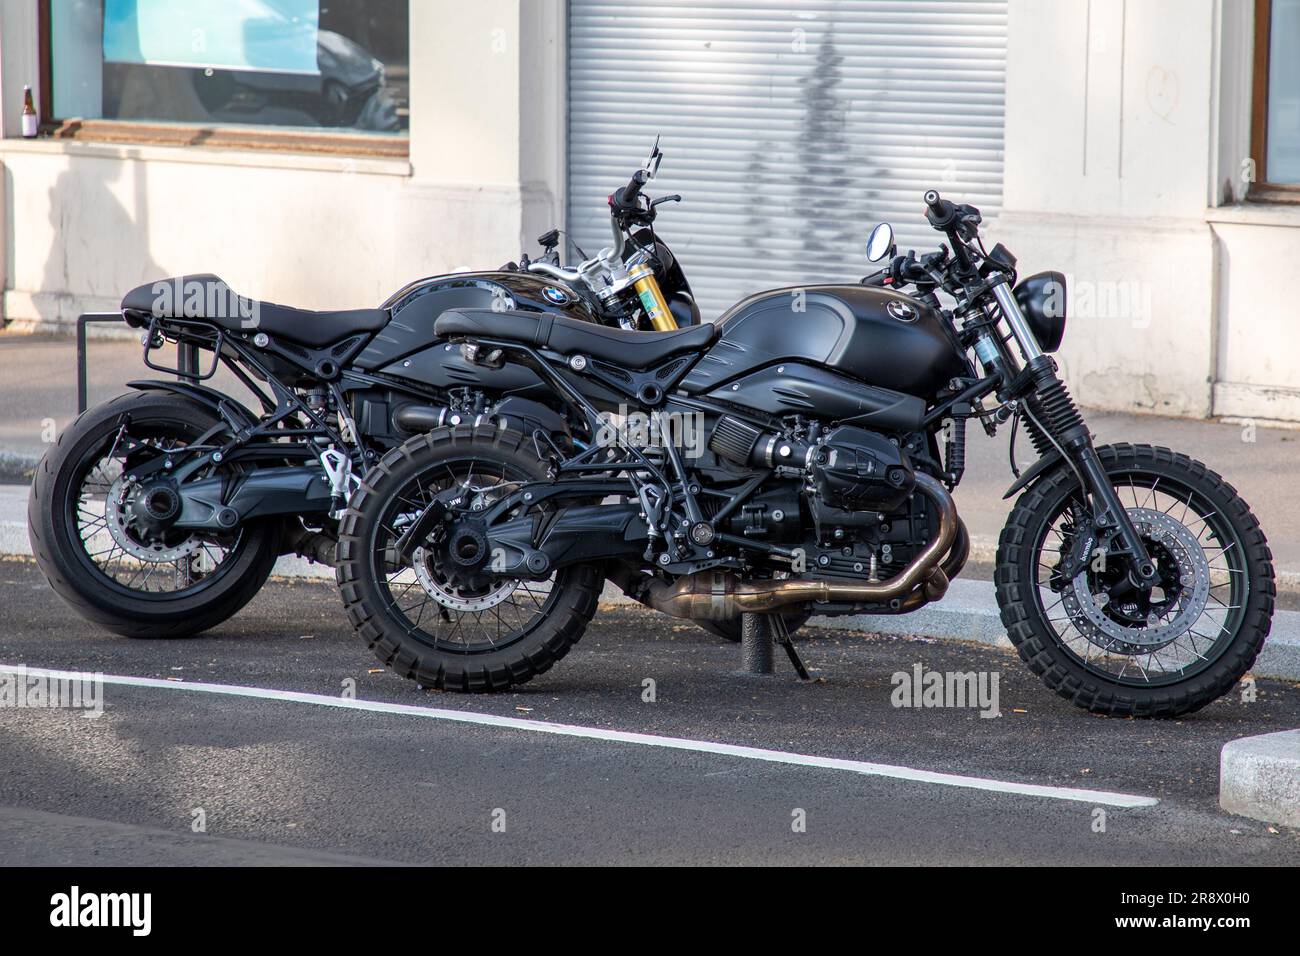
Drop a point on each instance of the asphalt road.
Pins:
(287, 781)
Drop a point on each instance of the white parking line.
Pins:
(1096, 797)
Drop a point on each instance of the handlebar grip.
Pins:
(941, 213)
(627, 196)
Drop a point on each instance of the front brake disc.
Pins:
(1088, 610)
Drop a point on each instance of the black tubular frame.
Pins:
(193, 336)
(633, 462)
(247, 441)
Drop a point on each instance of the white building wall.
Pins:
(1107, 177)
(85, 222)
(1258, 367)
(1127, 126)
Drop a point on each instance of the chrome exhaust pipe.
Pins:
(718, 596)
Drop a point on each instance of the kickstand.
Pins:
(782, 635)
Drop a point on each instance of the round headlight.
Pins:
(1042, 299)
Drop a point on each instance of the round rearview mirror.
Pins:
(880, 243)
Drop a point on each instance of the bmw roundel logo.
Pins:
(558, 296)
(901, 310)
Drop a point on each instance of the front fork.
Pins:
(1050, 406)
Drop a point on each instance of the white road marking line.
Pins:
(1095, 797)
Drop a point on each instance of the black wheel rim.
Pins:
(422, 613)
(200, 560)
(1205, 639)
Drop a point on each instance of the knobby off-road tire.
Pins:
(432, 659)
(1047, 654)
(53, 528)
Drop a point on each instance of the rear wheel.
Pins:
(1105, 646)
(441, 618)
(100, 537)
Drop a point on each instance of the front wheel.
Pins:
(1107, 647)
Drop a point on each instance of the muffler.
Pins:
(718, 596)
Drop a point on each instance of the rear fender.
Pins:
(221, 405)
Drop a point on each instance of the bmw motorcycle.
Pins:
(160, 513)
(799, 458)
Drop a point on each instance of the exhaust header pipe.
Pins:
(717, 596)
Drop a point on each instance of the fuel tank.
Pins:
(877, 336)
(408, 348)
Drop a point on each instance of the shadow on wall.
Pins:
(99, 249)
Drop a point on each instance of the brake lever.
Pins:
(675, 197)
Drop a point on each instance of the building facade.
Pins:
(324, 154)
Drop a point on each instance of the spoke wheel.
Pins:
(117, 544)
(1074, 617)
(104, 542)
(444, 618)
(450, 614)
(1162, 634)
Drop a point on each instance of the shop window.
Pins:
(290, 69)
(1276, 114)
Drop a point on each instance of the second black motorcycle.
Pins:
(800, 458)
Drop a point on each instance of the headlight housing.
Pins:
(1042, 299)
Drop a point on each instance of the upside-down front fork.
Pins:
(1053, 410)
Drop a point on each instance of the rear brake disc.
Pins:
(115, 520)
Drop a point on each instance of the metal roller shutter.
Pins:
(789, 128)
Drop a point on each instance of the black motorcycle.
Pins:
(799, 458)
(161, 512)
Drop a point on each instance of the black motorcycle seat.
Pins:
(573, 336)
(209, 298)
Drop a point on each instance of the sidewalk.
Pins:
(38, 383)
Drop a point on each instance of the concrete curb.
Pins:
(1259, 777)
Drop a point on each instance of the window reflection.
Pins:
(334, 64)
(1282, 164)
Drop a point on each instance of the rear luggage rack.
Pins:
(187, 368)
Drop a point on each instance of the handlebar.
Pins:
(939, 212)
(625, 199)
(555, 272)
(626, 211)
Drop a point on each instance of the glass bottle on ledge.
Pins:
(29, 114)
